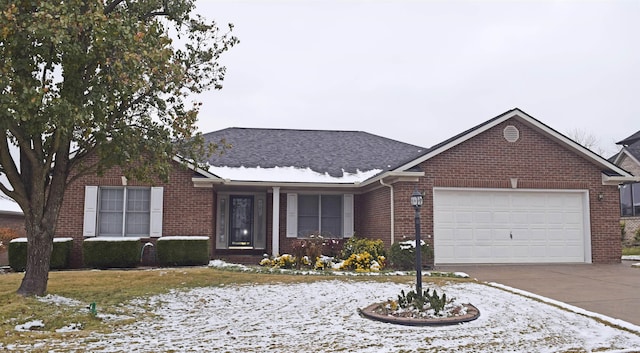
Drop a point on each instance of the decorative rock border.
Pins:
(369, 312)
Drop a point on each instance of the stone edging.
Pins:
(369, 312)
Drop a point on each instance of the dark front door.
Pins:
(241, 222)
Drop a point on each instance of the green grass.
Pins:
(110, 289)
(634, 250)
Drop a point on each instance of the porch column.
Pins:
(275, 224)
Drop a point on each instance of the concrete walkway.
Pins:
(611, 290)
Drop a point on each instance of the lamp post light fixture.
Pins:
(416, 202)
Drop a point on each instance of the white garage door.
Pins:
(510, 226)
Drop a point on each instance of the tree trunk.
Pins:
(39, 249)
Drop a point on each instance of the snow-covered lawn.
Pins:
(322, 317)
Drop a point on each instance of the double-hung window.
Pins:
(118, 211)
(630, 200)
(326, 214)
(124, 211)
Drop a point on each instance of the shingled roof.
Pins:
(632, 145)
(323, 151)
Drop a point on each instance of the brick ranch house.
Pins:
(510, 190)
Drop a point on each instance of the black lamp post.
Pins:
(416, 202)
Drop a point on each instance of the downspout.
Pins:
(392, 210)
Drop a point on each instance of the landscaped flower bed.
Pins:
(358, 254)
(429, 309)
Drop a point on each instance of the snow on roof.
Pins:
(7, 204)
(290, 175)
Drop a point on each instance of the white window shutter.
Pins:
(90, 211)
(347, 206)
(292, 215)
(155, 218)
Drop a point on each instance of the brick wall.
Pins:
(13, 221)
(489, 161)
(186, 210)
(375, 222)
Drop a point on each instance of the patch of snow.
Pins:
(62, 240)
(223, 264)
(570, 307)
(31, 325)
(321, 316)
(59, 300)
(289, 175)
(183, 237)
(631, 257)
(106, 239)
(72, 327)
(409, 244)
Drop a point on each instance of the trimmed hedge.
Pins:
(59, 256)
(104, 252)
(183, 251)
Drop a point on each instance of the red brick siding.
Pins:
(14, 222)
(489, 161)
(375, 222)
(186, 210)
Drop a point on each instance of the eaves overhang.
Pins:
(389, 177)
(394, 176)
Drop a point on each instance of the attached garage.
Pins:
(511, 226)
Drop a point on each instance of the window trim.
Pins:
(91, 211)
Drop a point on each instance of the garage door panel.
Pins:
(483, 217)
(498, 226)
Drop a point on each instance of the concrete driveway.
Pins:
(612, 290)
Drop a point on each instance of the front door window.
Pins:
(241, 221)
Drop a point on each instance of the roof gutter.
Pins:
(395, 176)
(392, 209)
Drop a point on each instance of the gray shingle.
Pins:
(321, 150)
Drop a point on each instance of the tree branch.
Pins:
(22, 142)
(112, 6)
(10, 170)
(154, 14)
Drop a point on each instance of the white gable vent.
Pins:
(511, 133)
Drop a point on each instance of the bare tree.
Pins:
(587, 139)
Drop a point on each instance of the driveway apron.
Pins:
(611, 290)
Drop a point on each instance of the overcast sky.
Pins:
(423, 71)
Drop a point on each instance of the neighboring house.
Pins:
(11, 216)
(628, 158)
(510, 190)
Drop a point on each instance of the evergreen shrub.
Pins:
(59, 256)
(106, 252)
(183, 251)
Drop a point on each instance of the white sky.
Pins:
(423, 71)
